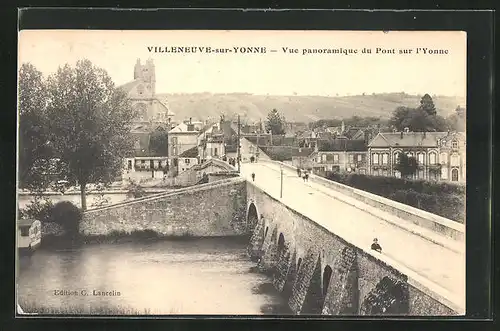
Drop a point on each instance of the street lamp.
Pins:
(281, 176)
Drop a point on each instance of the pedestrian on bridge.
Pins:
(253, 177)
(376, 246)
(299, 172)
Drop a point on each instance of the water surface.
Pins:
(198, 276)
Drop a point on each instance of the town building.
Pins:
(340, 155)
(211, 142)
(440, 155)
(142, 94)
(185, 161)
(183, 137)
(153, 114)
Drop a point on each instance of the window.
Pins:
(443, 158)
(129, 164)
(454, 144)
(420, 158)
(351, 158)
(323, 158)
(174, 140)
(432, 158)
(375, 158)
(420, 174)
(215, 151)
(25, 231)
(318, 159)
(335, 158)
(454, 175)
(360, 157)
(186, 161)
(174, 151)
(385, 158)
(396, 157)
(454, 160)
(444, 173)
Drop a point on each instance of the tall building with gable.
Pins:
(142, 93)
(153, 114)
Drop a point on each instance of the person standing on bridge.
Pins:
(253, 177)
(376, 246)
(299, 172)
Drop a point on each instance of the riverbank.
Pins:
(62, 239)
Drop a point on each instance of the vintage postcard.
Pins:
(241, 173)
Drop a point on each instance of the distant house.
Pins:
(183, 137)
(211, 142)
(301, 158)
(440, 155)
(340, 155)
(186, 160)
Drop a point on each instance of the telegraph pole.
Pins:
(239, 142)
(281, 175)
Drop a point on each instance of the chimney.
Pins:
(190, 120)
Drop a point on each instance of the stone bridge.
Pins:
(314, 239)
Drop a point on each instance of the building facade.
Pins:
(181, 138)
(439, 155)
(211, 142)
(340, 155)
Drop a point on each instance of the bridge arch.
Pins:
(252, 216)
(327, 275)
(281, 244)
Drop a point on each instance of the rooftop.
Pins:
(407, 139)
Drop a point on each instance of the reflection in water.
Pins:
(202, 276)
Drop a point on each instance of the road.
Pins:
(438, 264)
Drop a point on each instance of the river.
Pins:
(198, 276)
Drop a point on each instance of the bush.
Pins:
(136, 190)
(39, 209)
(440, 198)
(68, 216)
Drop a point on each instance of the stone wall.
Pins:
(212, 209)
(320, 273)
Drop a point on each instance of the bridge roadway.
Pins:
(435, 263)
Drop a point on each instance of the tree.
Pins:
(158, 142)
(427, 105)
(89, 122)
(275, 122)
(417, 120)
(457, 121)
(33, 150)
(407, 165)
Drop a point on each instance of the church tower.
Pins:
(146, 74)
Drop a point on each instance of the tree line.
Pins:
(75, 124)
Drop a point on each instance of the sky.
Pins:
(273, 73)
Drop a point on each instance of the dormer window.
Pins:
(454, 144)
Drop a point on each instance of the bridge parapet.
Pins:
(421, 218)
(352, 280)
